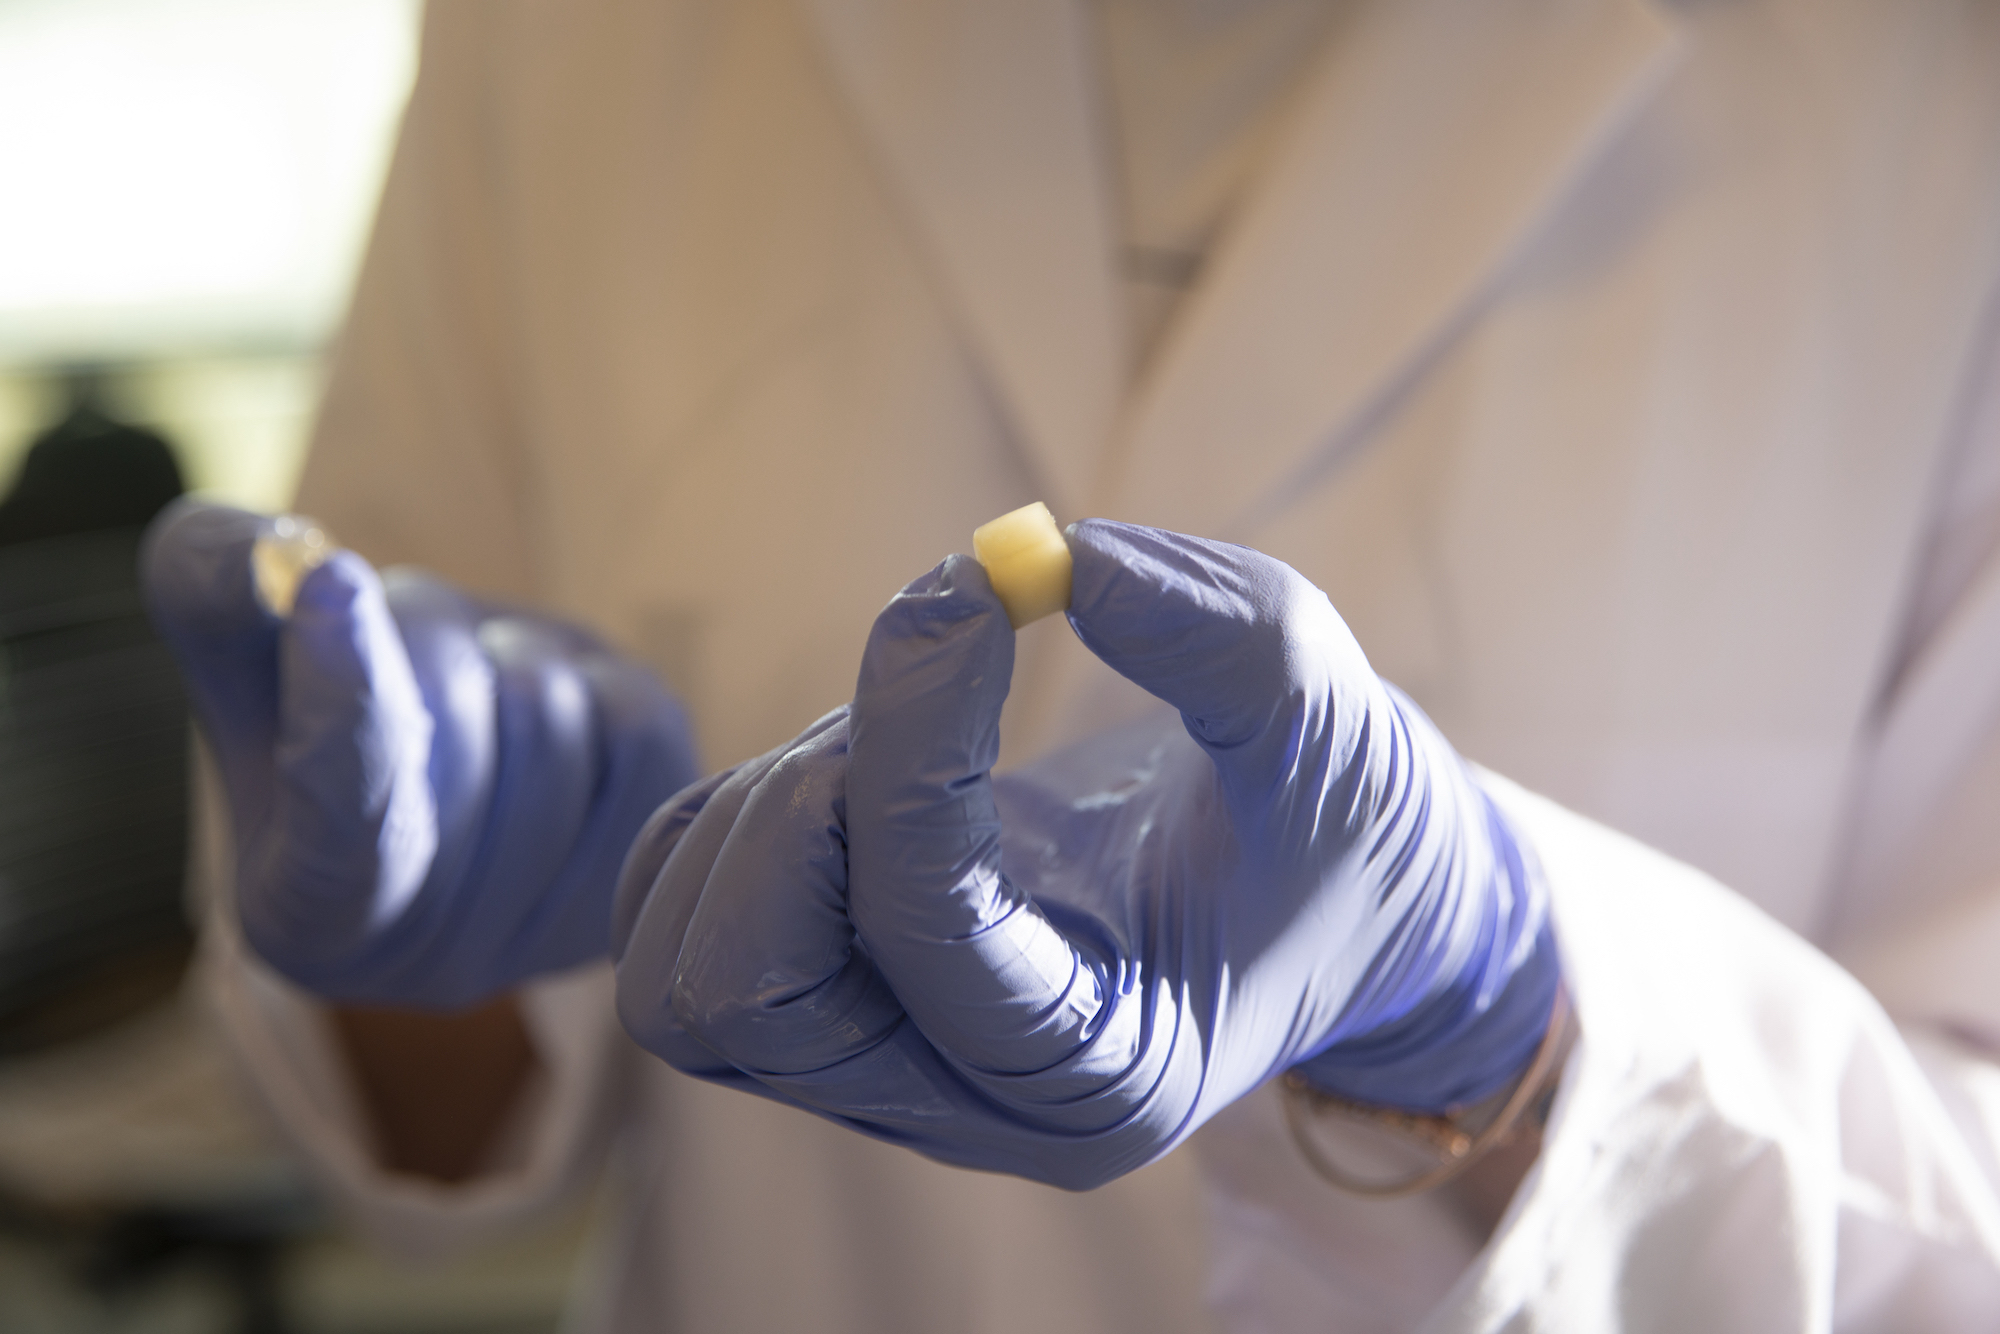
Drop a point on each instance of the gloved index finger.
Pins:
(990, 981)
(1252, 654)
(195, 576)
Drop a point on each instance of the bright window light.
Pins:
(189, 173)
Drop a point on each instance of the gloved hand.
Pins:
(430, 795)
(1060, 973)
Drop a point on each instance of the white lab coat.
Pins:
(1615, 365)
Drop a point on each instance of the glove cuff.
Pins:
(1482, 1030)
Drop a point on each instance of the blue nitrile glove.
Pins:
(430, 795)
(1062, 972)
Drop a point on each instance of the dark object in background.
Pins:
(93, 738)
(88, 473)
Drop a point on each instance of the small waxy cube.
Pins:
(1027, 560)
(283, 555)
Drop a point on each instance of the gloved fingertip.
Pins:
(1144, 600)
(342, 658)
(194, 572)
(951, 601)
(336, 585)
(1116, 562)
(939, 628)
(956, 587)
(1231, 637)
(195, 583)
(963, 580)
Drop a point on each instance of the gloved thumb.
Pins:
(1256, 659)
(354, 824)
(988, 979)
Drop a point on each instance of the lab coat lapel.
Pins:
(983, 119)
(1434, 138)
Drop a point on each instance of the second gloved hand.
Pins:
(430, 796)
(1062, 972)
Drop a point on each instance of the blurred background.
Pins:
(187, 187)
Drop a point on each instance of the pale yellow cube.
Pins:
(1027, 560)
(283, 555)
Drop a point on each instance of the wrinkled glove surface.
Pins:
(1061, 972)
(430, 795)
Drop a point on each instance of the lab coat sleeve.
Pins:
(1937, 970)
(287, 1057)
(1921, 909)
(1744, 1136)
(1917, 918)
(1743, 1141)
(550, 1152)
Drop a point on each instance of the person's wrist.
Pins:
(1486, 1147)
